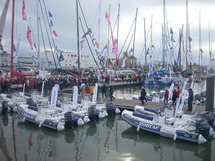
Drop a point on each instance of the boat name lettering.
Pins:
(154, 127)
(28, 115)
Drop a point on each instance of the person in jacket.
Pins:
(166, 96)
(190, 99)
(174, 96)
(111, 90)
(143, 95)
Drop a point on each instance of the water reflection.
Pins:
(178, 149)
(110, 138)
(127, 92)
(3, 142)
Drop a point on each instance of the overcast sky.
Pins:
(64, 20)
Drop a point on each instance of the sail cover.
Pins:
(2, 22)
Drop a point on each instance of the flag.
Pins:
(55, 33)
(98, 53)
(16, 50)
(102, 59)
(172, 39)
(51, 23)
(61, 58)
(1, 46)
(96, 44)
(131, 50)
(23, 11)
(201, 50)
(171, 32)
(190, 39)
(123, 62)
(147, 52)
(29, 37)
(50, 14)
(34, 60)
(151, 66)
(82, 43)
(89, 31)
(115, 51)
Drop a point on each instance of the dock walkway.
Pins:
(130, 104)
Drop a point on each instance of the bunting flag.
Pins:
(201, 52)
(54, 36)
(54, 32)
(172, 47)
(147, 52)
(34, 60)
(171, 32)
(23, 11)
(51, 23)
(101, 59)
(172, 38)
(115, 51)
(83, 38)
(190, 39)
(151, 66)
(123, 62)
(50, 14)
(29, 37)
(1, 46)
(16, 50)
(82, 44)
(131, 51)
(61, 58)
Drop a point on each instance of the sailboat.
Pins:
(10, 64)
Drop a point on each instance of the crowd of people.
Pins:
(85, 85)
(175, 96)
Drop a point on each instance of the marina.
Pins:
(88, 83)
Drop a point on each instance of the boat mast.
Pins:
(209, 38)
(164, 33)
(180, 44)
(78, 50)
(135, 31)
(12, 40)
(38, 37)
(145, 41)
(118, 28)
(151, 36)
(108, 43)
(200, 41)
(187, 34)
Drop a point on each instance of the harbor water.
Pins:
(106, 139)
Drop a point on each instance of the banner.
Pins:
(75, 95)
(95, 92)
(54, 96)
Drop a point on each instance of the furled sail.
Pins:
(2, 22)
